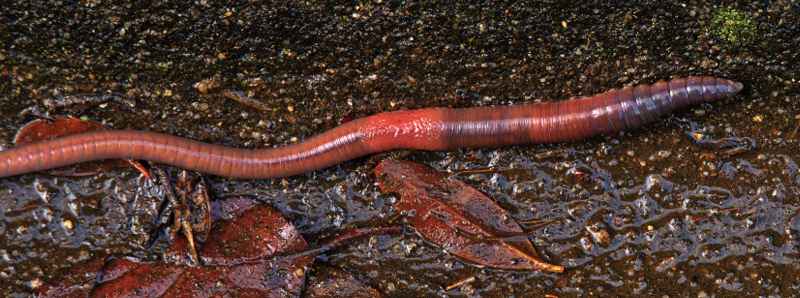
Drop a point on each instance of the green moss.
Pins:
(733, 26)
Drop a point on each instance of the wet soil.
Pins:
(635, 213)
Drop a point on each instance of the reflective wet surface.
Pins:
(634, 213)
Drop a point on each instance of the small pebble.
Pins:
(34, 284)
(206, 85)
(599, 235)
(299, 272)
(67, 224)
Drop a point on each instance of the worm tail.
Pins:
(646, 103)
(576, 119)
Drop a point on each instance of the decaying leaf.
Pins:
(190, 205)
(238, 262)
(459, 218)
(46, 129)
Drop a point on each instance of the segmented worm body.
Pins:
(423, 129)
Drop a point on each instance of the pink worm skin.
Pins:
(423, 129)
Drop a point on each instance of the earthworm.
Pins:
(423, 129)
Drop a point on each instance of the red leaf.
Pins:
(238, 259)
(459, 218)
(42, 129)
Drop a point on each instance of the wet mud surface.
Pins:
(634, 213)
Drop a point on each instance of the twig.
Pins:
(460, 283)
(239, 97)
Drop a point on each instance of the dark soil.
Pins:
(682, 219)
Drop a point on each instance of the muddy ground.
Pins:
(676, 213)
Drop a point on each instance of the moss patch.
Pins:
(733, 27)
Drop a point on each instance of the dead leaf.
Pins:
(190, 205)
(238, 258)
(43, 129)
(459, 218)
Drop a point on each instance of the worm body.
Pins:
(423, 129)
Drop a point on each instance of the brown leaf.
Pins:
(44, 129)
(459, 218)
(190, 205)
(238, 261)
